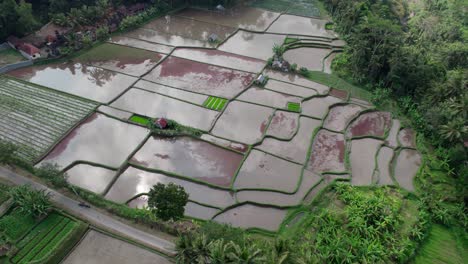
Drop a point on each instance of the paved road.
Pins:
(94, 217)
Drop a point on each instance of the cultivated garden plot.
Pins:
(221, 58)
(98, 139)
(35, 118)
(44, 241)
(151, 104)
(140, 44)
(239, 16)
(189, 157)
(131, 61)
(78, 79)
(200, 77)
(264, 149)
(97, 247)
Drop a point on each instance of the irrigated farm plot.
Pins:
(34, 118)
(266, 149)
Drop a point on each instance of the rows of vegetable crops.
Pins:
(215, 103)
(45, 239)
(34, 118)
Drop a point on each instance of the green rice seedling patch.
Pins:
(143, 120)
(56, 241)
(43, 242)
(296, 107)
(442, 247)
(16, 224)
(215, 103)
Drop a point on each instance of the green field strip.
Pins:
(442, 247)
(295, 107)
(12, 130)
(215, 103)
(36, 249)
(143, 120)
(36, 235)
(50, 101)
(56, 241)
(25, 96)
(35, 131)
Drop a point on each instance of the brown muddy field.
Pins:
(252, 44)
(283, 125)
(95, 179)
(328, 153)
(199, 77)
(370, 124)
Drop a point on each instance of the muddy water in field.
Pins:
(363, 153)
(156, 105)
(134, 181)
(86, 81)
(266, 197)
(327, 63)
(315, 191)
(392, 139)
(225, 143)
(99, 139)
(289, 88)
(140, 44)
(297, 80)
(407, 138)
(407, 165)
(121, 59)
(190, 157)
(249, 216)
(296, 25)
(384, 159)
(339, 116)
(199, 77)
(328, 152)
(172, 92)
(199, 211)
(95, 179)
(189, 28)
(221, 58)
(263, 171)
(370, 124)
(236, 17)
(253, 45)
(243, 122)
(318, 106)
(268, 98)
(311, 58)
(283, 125)
(165, 39)
(295, 149)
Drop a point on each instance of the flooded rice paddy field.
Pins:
(256, 157)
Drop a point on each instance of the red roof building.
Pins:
(29, 51)
(161, 123)
(14, 42)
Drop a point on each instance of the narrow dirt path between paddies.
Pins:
(94, 217)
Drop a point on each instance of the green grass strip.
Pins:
(56, 241)
(39, 246)
(215, 103)
(41, 229)
(441, 247)
(294, 107)
(139, 119)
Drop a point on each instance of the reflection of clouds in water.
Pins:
(104, 140)
(85, 81)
